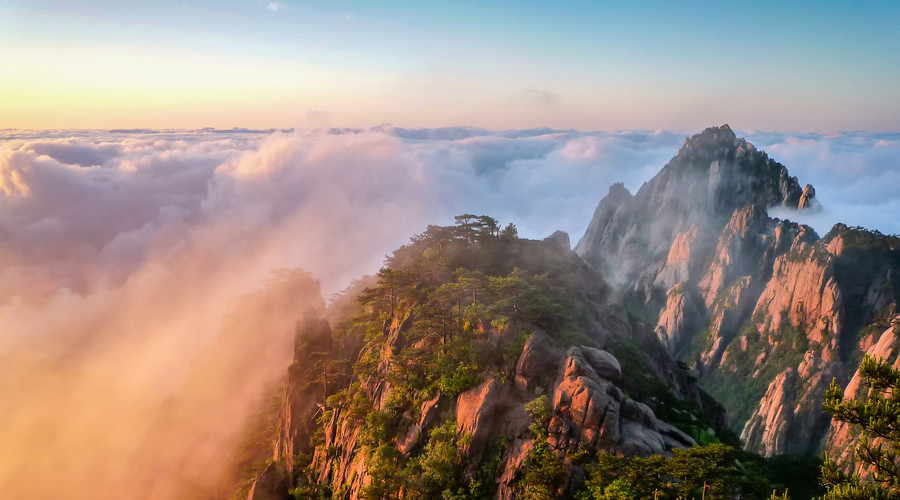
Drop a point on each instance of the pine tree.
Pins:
(878, 416)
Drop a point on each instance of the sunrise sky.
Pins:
(586, 65)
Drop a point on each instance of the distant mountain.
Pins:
(764, 310)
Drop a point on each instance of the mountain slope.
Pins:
(472, 361)
(765, 310)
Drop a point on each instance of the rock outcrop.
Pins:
(818, 302)
(590, 412)
(736, 254)
(808, 198)
(790, 418)
(678, 319)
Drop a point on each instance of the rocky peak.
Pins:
(618, 193)
(714, 174)
(808, 198)
(711, 136)
(562, 238)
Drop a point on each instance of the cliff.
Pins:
(765, 311)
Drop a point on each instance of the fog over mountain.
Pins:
(124, 249)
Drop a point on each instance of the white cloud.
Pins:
(856, 175)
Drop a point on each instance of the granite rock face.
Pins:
(808, 198)
(765, 310)
(678, 319)
(589, 411)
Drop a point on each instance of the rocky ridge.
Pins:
(764, 310)
(608, 386)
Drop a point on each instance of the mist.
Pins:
(149, 278)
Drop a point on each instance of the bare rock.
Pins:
(514, 460)
(836, 245)
(638, 440)
(808, 199)
(587, 407)
(679, 318)
(790, 417)
(538, 363)
(605, 365)
(303, 391)
(673, 437)
(682, 260)
(475, 413)
(737, 250)
(805, 294)
(766, 429)
(410, 440)
(732, 308)
(590, 410)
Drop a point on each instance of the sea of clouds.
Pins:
(123, 249)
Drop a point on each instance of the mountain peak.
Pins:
(714, 174)
(714, 137)
(724, 131)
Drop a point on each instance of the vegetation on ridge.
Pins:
(448, 311)
(452, 310)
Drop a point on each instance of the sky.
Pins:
(770, 65)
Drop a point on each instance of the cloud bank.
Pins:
(126, 254)
(856, 176)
